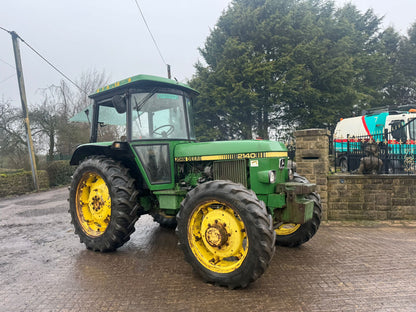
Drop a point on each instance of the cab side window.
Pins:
(398, 131)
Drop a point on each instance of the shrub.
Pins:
(59, 172)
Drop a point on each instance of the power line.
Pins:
(3, 61)
(4, 80)
(53, 66)
(43, 58)
(151, 35)
(5, 30)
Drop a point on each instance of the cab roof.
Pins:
(142, 81)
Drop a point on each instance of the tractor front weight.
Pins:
(298, 209)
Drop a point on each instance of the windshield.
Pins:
(158, 116)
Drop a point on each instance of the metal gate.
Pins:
(396, 149)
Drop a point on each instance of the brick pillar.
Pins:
(312, 160)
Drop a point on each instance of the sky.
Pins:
(79, 35)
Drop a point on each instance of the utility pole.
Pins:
(22, 91)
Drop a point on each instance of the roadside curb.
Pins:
(370, 224)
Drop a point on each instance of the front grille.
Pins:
(235, 170)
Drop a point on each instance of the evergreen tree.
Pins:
(287, 63)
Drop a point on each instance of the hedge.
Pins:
(21, 182)
(17, 182)
(60, 172)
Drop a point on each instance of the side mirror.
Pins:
(119, 103)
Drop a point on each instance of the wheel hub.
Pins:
(216, 235)
(93, 204)
(97, 202)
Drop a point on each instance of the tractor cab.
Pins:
(140, 118)
(141, 108)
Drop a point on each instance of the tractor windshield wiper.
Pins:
(139, 105)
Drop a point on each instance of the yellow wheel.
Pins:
(217, 237)
(103, 204)
(287, 228)
(225, 233)
(93, 204)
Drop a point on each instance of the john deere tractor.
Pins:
(231, 202)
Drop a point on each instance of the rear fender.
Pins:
(119, 151)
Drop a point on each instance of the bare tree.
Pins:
(75, 100)
(13, 147)
(89, 82)
(46, 119)
(59, 104)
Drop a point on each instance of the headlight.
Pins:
(272, 176)
(267, 176)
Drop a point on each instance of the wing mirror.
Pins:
(119, 103)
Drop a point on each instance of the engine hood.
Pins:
(229, 150)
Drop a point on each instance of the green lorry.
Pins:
(231, 202)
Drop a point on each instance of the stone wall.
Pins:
(21, 183)
(353, 197)
(372, 197)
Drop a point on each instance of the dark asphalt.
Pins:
(43, 267)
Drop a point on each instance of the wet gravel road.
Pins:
(43, 267)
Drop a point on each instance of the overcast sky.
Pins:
(78, 35)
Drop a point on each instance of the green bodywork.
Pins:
(242, 147)
(249, 162)
(140, 80)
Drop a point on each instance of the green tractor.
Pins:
(230, 202)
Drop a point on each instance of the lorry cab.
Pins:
(401, 128)
(399, 125)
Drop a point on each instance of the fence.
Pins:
(394, 152)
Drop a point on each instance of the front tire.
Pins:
(225, 233)
(292, 234)
(103, 204)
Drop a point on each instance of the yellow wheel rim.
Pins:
(93, 204)
(287, 228)
(217, 237)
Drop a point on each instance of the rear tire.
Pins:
(225, 233)
(293, 235)
(103, 204)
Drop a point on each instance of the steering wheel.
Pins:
(164, 133)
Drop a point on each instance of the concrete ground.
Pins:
(345, 267)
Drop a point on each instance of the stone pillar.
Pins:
(312, 160)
